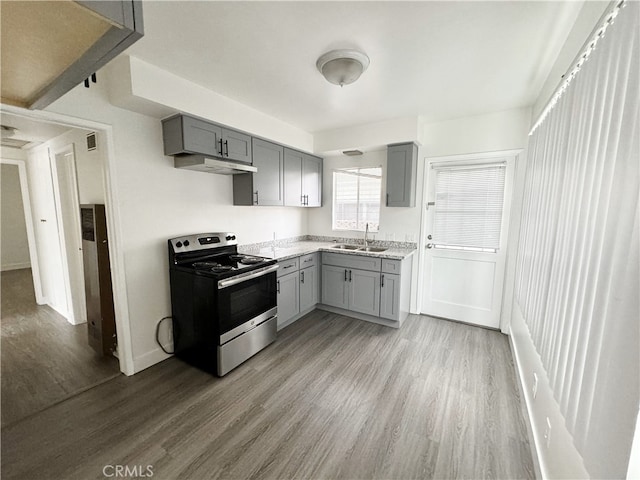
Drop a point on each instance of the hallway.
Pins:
(44, 358)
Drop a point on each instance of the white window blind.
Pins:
(356, 198)
(468, 210)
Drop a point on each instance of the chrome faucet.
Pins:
(366, 234)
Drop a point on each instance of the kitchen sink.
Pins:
(372, 249)
(346, 247)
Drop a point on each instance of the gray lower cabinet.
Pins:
(302, 179)
(334, 286)
(297, 287)
(367, 285)
(364, 292)
(351, 282)
(402, 170)
(265, 187)
(308, 287)
(390, 296)
(288, 297)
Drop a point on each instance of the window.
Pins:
(468, 210)
(356, 198)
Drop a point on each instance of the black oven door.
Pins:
(245, 298)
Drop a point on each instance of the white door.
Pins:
(466, 226)
(68, 212)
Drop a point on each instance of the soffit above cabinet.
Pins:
(49, 47)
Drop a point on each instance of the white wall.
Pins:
(157, 202)
(14, 246)
(589, 14)
(506, 130)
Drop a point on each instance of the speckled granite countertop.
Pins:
(295, 249)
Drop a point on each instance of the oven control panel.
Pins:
(202, 241)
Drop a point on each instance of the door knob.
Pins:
(429, 245)
(429, 237)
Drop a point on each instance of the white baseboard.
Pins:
(149, 359)
(557, 458)
(14, 266)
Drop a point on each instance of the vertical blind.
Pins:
(356, 198)
(577, 277)
(468, 209)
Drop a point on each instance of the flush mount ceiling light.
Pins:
(342, 67)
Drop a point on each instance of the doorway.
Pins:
(46, 356)
(465, 232)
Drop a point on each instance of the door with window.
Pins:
(467, 218)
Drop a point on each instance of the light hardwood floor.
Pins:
(44, 358)
(334, 397)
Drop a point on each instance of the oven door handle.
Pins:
(247, 276)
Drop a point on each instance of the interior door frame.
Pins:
(31, 235)
(69, 233)
(510, 196)
(116, 245)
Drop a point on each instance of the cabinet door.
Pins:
(364, 292)
(288, 297)
(268, 158)
(334, 291)
(236, 146)
(390, 296)
(402, 161)
(312, 181)
(308, 287)
(201, 137)
(293, 178)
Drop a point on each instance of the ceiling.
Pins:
(31, 131)
(441, 60)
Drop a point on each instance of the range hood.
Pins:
(201, 163)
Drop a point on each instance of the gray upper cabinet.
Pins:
(266, 186)
(183, 134)
(49, 57)
(235, 146)
(302, 179)
(312, 180)
(402, 169)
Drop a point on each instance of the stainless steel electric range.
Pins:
(223, 303)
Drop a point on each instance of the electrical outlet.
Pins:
(534, 387)
(547, 433)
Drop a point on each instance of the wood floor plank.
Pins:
(333, 398)
(44, 358)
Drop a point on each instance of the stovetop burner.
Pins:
(214, 267)
(251, 260)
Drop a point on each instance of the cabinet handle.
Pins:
(302, 277)
(306, 199)
(345, 274)
(278, 286)
(349, 275)
(382, 280)
(256, 194)
(288, 266)
(301, 199)
(226, 147)
(387, 199)
(220, 142)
